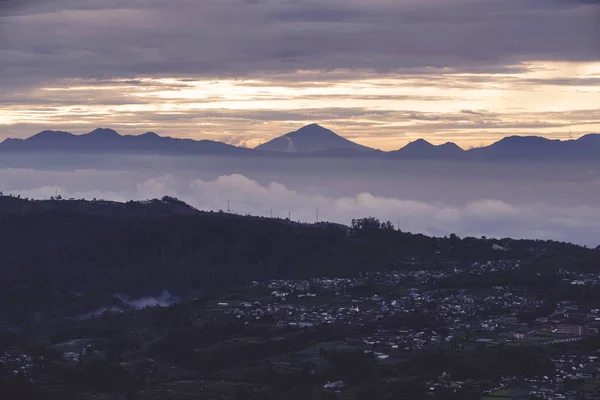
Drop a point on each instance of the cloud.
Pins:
(369, 65)
(66, 38)
(476, 217)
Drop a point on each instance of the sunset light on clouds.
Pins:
(380, 73)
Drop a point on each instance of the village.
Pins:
(393, 317)
(412, 316)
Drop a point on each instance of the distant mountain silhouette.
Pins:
(529, 148)
(309, 139)
(108, 140)
(591, 138)
(536, 148)
(343, 153)
(421, 148)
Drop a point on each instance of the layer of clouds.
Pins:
(43, 40)
(472, 205)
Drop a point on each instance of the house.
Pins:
(580, 313)
(591, 370)
(567, 326)
(335, 385)
(594, 328)
(523, 332)
(566, 305)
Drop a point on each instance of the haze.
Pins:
(542, 200)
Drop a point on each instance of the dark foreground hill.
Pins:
(145, 247)
(65, 334)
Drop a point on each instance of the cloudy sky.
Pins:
(381, 72)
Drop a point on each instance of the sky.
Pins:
(380, 72)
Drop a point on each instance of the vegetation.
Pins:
(62, 259)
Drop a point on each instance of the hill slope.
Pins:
(137, 247)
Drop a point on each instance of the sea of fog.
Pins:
(559, 201)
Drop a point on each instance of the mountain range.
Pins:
(309, 141)
(108, 140)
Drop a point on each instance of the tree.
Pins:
(369, 225)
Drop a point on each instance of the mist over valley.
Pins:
(546, 200)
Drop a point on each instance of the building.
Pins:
(523, 332)
(594, 328)
(580, 313)
(567, 326)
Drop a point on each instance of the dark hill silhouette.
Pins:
(309, 139)
(144, 247)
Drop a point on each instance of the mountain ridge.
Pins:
(109, 140)
(421, 148)
(309, 141)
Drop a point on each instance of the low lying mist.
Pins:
(545, 201)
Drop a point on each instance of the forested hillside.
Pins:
(68, 268)
(165, 244)
(142, 248)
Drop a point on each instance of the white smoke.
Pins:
(164, 300)
(128, 303)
